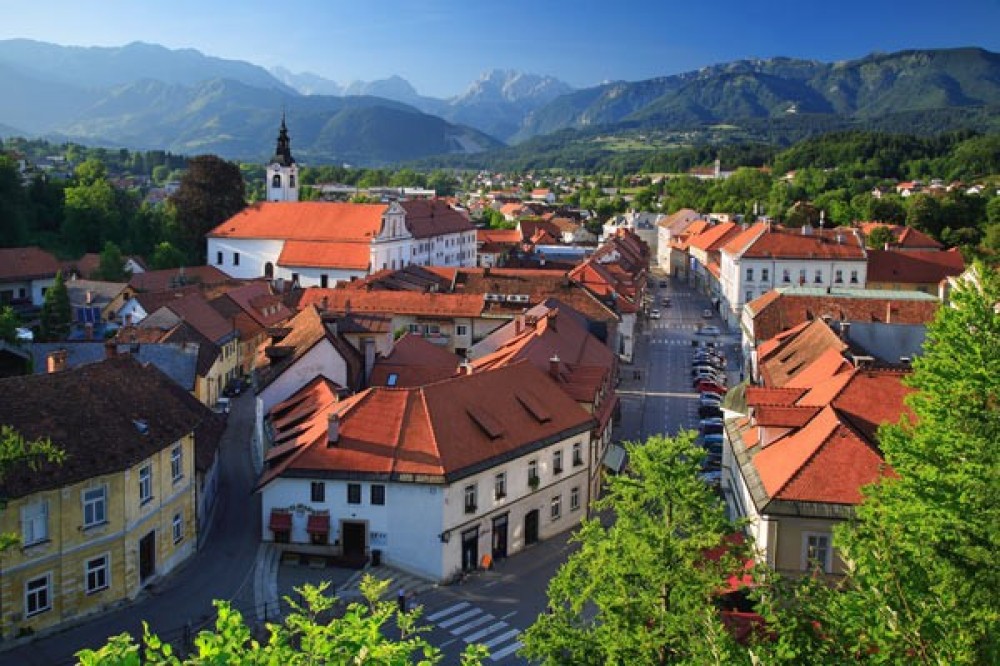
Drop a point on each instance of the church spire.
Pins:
(283, 151)
(282, 172)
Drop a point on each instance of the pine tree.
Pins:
(56, 312)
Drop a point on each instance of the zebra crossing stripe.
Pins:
(502, 637)
(472, 638)
(510, 649)
(461, 617)
(448, 611)
(482, 619)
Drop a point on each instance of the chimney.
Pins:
(465, 368)
(90, 297)
(332, 429)
(840, 239)
(518, 324)
(807, 229)
(89, 330)
(888, 313)
(56, 359)
(845, 329)
(324, 303)
(554, 366)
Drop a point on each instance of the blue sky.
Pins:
(440, 46)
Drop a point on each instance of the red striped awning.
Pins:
(281, 521)
(319, 523)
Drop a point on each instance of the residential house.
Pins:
(703, 251)
(669, 228)
(252, 309)
(434, 478)
(95, 305)
(913, 271)
(117, 512)
(25, 275)
(903, 238)
(322, 243)
(169, 279)
(494, 245)
(543, 194)
(762, 257)
(643, 224)
(412, 362)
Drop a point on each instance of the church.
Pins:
(320, 243)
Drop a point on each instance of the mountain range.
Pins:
(145, 96)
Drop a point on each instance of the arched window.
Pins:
(269, 270)
(291, 181)
(276, 180)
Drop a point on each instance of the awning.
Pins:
(319, 523)
(614, 458)
(281, 521)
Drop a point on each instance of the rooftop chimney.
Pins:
(465, 368)
(333, 429)
(518, 324)
(554, 366)
(56, 359)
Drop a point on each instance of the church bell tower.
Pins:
(282, 172)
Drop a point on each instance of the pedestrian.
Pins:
(402, 600)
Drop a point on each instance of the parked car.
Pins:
(222, 406)
(707, 313)
(713, 378)
(708, 386)
(234, 388)
(707, 365)
(663, 284)
(709, 411)
(666, 301)
(707, 398)
(709, 329)
(712, 441)
(654, 314)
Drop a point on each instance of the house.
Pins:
(322, 243)
(494, 245)
(543, 194)
(25, 275)
(95, 305)
(903, 238)
(434, 478)
(756, 259)
(703, 252)
(252, 308)
(794, 466)
(643, 224)
(169, 279)
(412, 362)
(118, 512)
(916, 271)
(555, 338)
(669, 228)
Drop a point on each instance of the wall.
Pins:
(254, 253)
(322, 359)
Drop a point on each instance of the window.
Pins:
(557, 462)
(765, 275)
(317, 491)
(276, 181)
(533, 473)
(378, 494)
(577, 454)
(295, 278)
(95, 510)
(556, 508)
(500, 486)
(95, 572)
(574, 499)
(749, 275)
(145, 484)
(354, 493)
(35, 523)
(218, 258)
(802, 276)
(176, 463)
(37, 598)
(838, 276)
(324, 280)
(786, 275)
(818, 277)
(470, 498)
(236, 258)
(461, 329)
(178, 528)
(854, 277)
(747, 297)
(816, 551)
(291, 181)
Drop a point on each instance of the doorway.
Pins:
(353, 539)
(500, 537)
(147, 556)
(531, 527)
(470, 549)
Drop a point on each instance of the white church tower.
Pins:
(282, 172)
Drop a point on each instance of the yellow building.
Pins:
(117, 513)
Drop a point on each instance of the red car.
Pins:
(708, 386)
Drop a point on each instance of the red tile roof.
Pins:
(197, 312)
(172, 278)
(414, 362)
(904, 237)
(737, 243)
(781, 243)
(797, 352)
(913, 267)
(433, 217)
(346, 255)
(712, 237)
(443, 431)
(26, 263)
(256, 299)
(399, 302)
(761, 395)
(500, 236)
(304, 220)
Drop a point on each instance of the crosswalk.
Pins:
(473, 625)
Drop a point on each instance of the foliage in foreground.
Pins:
(308, 635)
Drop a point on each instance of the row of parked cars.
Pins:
(708, 372)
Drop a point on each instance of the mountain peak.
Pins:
(512, 86)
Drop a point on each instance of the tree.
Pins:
(210, 192)
(166, 256)
(642, 591)
(922, 580)
(56, 312)
(360, 636)
(9, 323)
(923, 212)
(92, 215)
(878, 237)
(112, 264)
(16, 451)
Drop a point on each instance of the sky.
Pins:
(441, 46)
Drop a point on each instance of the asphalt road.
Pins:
(182, 603)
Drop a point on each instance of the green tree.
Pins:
(878, 237)
(56, 312)
(360, 636)
(112, 264)
(166, 255)
(993, 210)
(15, 452)
(923, 212)
(642, 591)
(211, 191)
(9, 323)
(91, 214)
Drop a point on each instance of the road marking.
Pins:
(655, 394)
(482, 619)
(500, 654)
(510, 614)
(498, 626)
(461, 617)
(447, 643)
(448, 611)
(502, 637)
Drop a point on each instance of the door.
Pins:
(353, 534)
(500, 537)
(147, 556)
(470, 549)
(531, 527)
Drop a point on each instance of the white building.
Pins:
(282, 171)
(434, 478)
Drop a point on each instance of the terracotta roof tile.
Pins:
(398, 302)
(432, 217)
(798, 351)
(345, 255)
(760, 395)
(196, 311)
(783, 243)
(913, 267)
(173, 278)
(738, 242)
(24, 263)
(783, 416)
(711, 237)
(414, 362)
(903, 237)
(304, 220)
